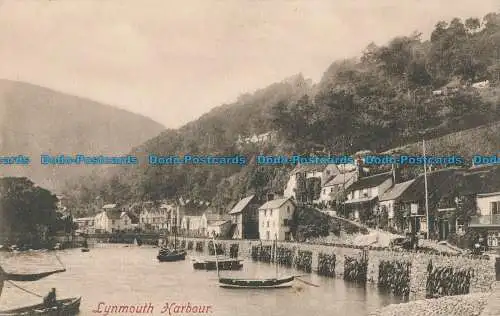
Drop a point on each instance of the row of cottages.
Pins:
(112, 218)
(322, 172)
(475, 192)
(334, 180)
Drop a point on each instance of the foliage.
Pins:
(28, 211)
(309, 223)
(383, 100)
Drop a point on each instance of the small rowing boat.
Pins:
(272, 283)
(68, 306)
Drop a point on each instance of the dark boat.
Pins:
(256, 283)
(68, 306)
(268, 283)
(224, 264)
(85, 249)
(169, 255)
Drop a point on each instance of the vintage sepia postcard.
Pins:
(249, 157)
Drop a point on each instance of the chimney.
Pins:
(270, 197)
(359, 167)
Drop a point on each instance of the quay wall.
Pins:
(481, 268)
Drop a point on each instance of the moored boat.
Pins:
(221, 264)
(68, 306)
(267, 283)
(170, 255)
(85, 249)
(256, 283)
(167, 255)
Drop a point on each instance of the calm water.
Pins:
(132, 275)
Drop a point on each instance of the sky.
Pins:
(175, 60)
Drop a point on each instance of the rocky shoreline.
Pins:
(459, 305)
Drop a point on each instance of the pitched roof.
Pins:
(274, 203)
(370, 181)
(113, 214)
(215, 217)
(109, 206)
(241, 205)
(361, 200)
(341, 179)
(483, 179)
(395, 191)
(133, 217)
(440, 183)
(309, 168)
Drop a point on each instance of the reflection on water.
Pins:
(132, 275)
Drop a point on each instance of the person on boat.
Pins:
(50, 300)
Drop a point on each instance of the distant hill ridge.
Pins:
(36, 120)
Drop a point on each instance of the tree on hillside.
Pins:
(27, 211)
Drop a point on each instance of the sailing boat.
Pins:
(68, 306)
(269, 283)
(167, 255)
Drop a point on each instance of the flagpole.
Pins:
(426, 192)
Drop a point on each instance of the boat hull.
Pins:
(256, 284)
(211, 266)
(173, 256)
(85, 249)
(66, 307)
(280, 286)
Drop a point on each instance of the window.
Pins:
(285, 222)
(288, 209)
(495, 208)
(331, 190)
(113, 221)
(267, 223)
(287, 236)
(270, 212)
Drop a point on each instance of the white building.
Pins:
(275, 218)
(334, 186)
(363, 194)
(212, 223)
(191, 225)
(389, 199)
(85, 225)
(156, 218)
(322, 172)
(112, 219)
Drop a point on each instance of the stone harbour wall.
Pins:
(458, 305)
(482, 268)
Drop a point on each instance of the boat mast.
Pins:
(276, 253)
(216, 260)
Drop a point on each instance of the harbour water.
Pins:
(128, 275)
